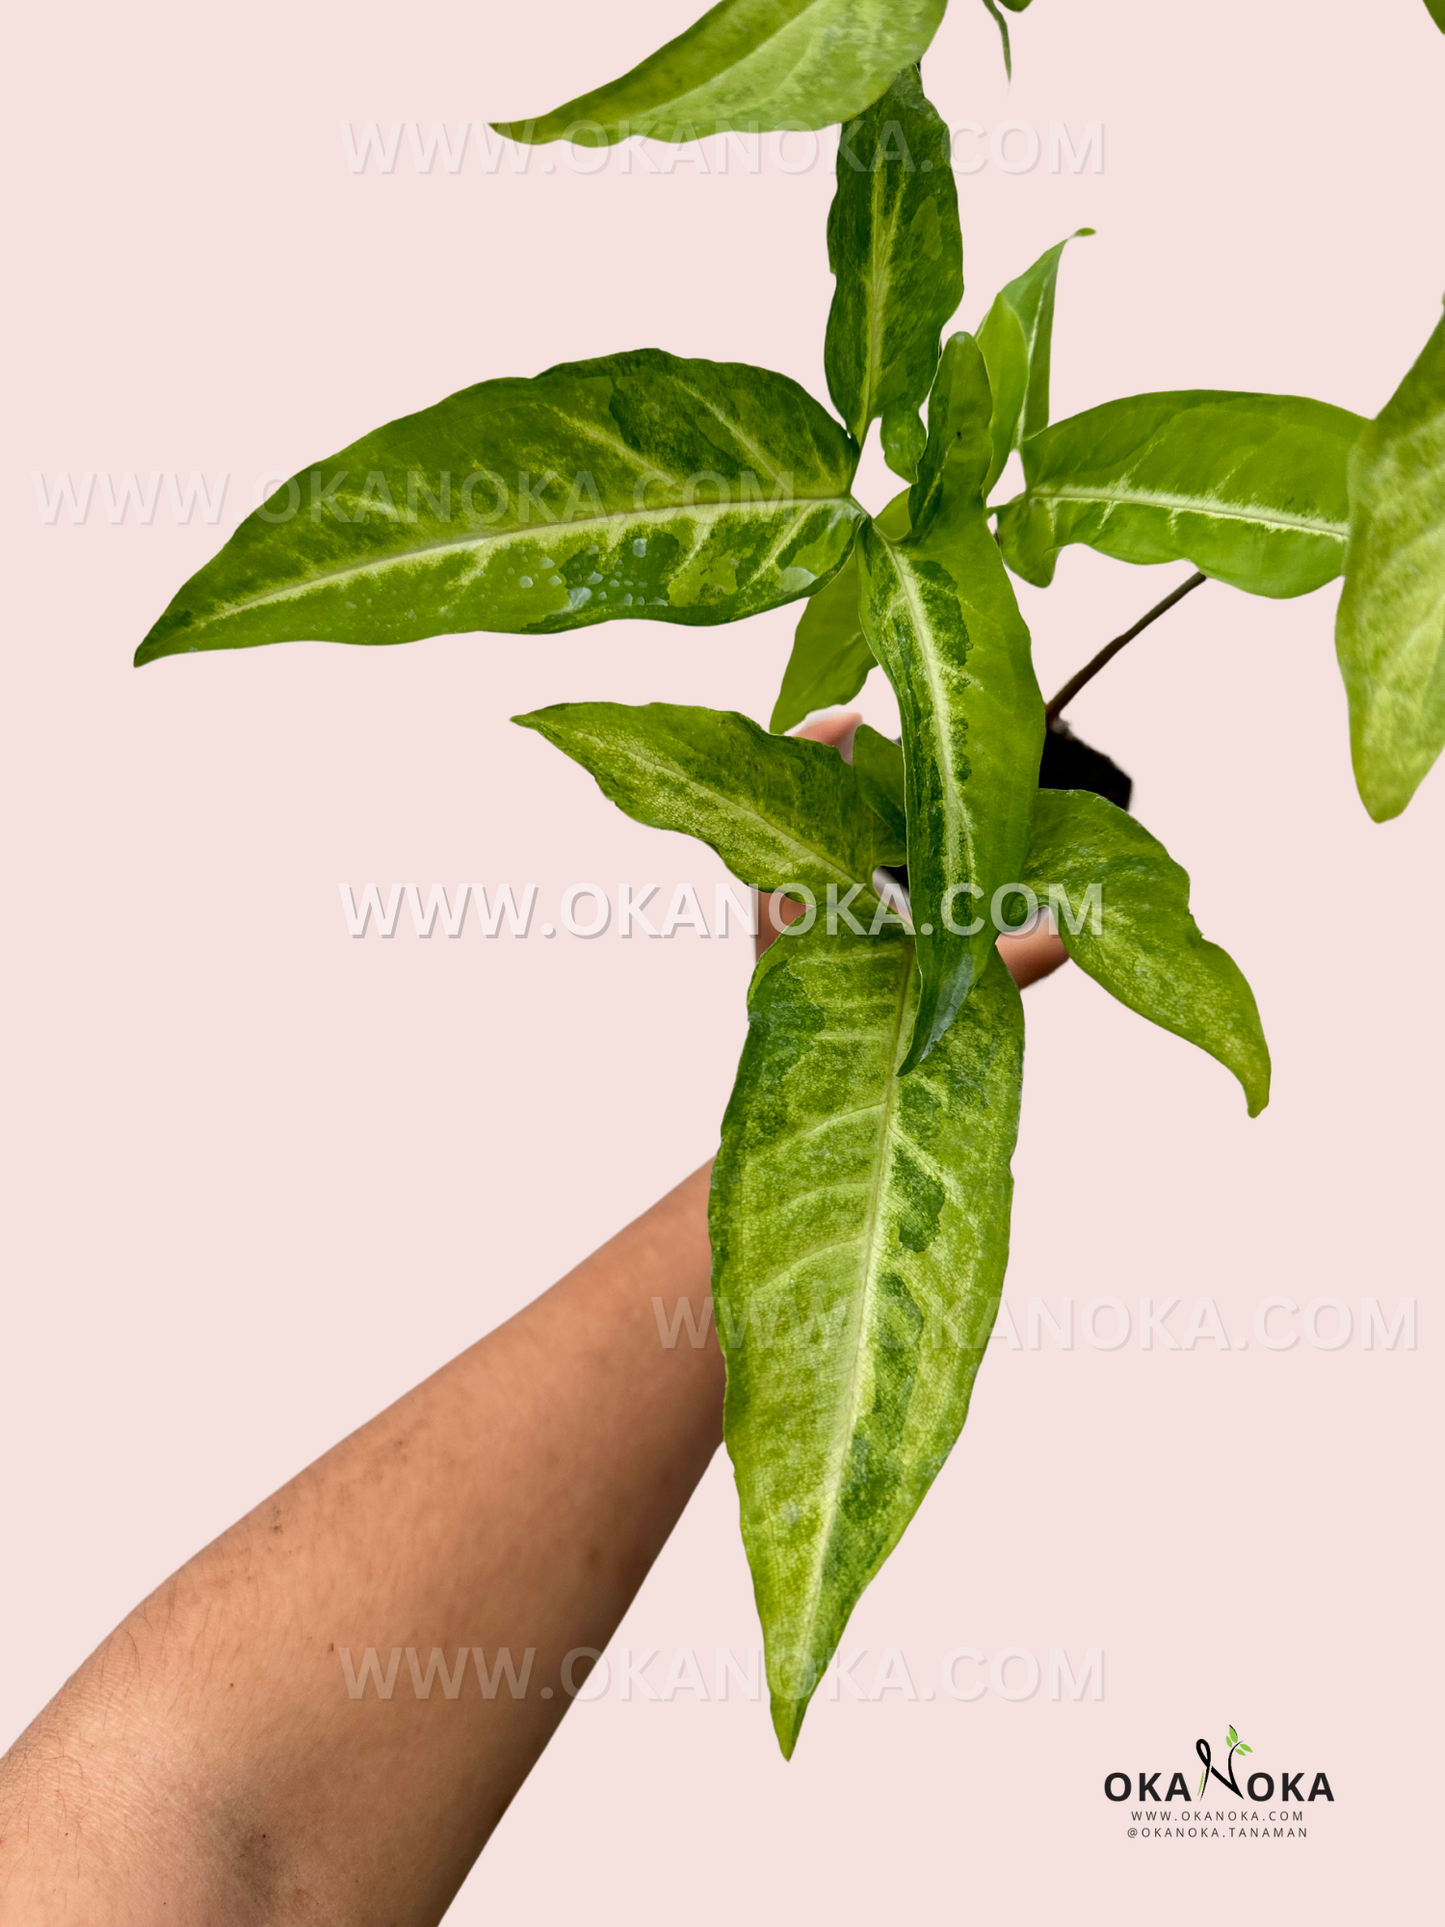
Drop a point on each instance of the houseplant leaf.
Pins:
(941, 617)
(1249, 488)
(1144, 947)
(1014, 6)
(1016, 337)
(751, 65)
(878, 766)
(895, 247)
(860, 1233)
(637, 485)
(778, 810)
(1390, 633)
(831, 658)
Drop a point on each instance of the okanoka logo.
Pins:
(1233, 1797)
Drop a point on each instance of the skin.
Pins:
(207, 1766)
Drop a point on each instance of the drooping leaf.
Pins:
(638, 485)
(778, 810)
(751, 65)
(895, 247)
(1249, 488)
(878, 765)
(1136, 937)
(860, 1235)
(1014, 6)
(1390, 634)
(941, 617)
(831, 658)
(1017, 342)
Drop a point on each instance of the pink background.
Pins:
(260, 1178)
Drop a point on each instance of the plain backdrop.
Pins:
(260, 1177)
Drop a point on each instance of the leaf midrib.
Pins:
(848, 1428)
(1194, 505)
(377, 565)
(732, 807)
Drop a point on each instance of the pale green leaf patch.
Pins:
(895, 247)
(860, 1236)
(1390, 633)
(751, 65)
(637, 486)
(1251, 489)
(1124, 919)
(777, 809)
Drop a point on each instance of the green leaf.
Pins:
(1249, 488)
(778, 810)
(941, 617)
(639, 485)
(956, 454)
(1436, 9)
(1017, 342)
(1014, 6)
(1242, 1748)
(831, 658)
(1142, 944)
(860, 1234)
(878, 765)
(751, 65)
(1233, 1736)
(1390, 634)
(895, 247)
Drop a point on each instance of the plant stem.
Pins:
(1111, 649)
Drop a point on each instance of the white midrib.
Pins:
(731, 807)
(955, 826)
(848, 1418)
(1194, 505)
(377, 565)
(880, 255)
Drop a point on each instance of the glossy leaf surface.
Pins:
(895, 247)
(1249, 488)
(878, 765)
(1017, 338)
(956, 454)
(638, 485)
(751, 64)
(941, 617)
(777, 810)
(860, 1235)
(1390, 635)
(831, 659)
(1147, 949)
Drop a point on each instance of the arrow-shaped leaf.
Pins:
(638, 485)
(895, 247)
(1249, 488)
(941, 618)
(860, 1234)
(1136, 937)
(751, 65)
(1017, 342)
(778, 810)
(1390, 634)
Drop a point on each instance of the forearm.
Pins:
(209, 1764)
